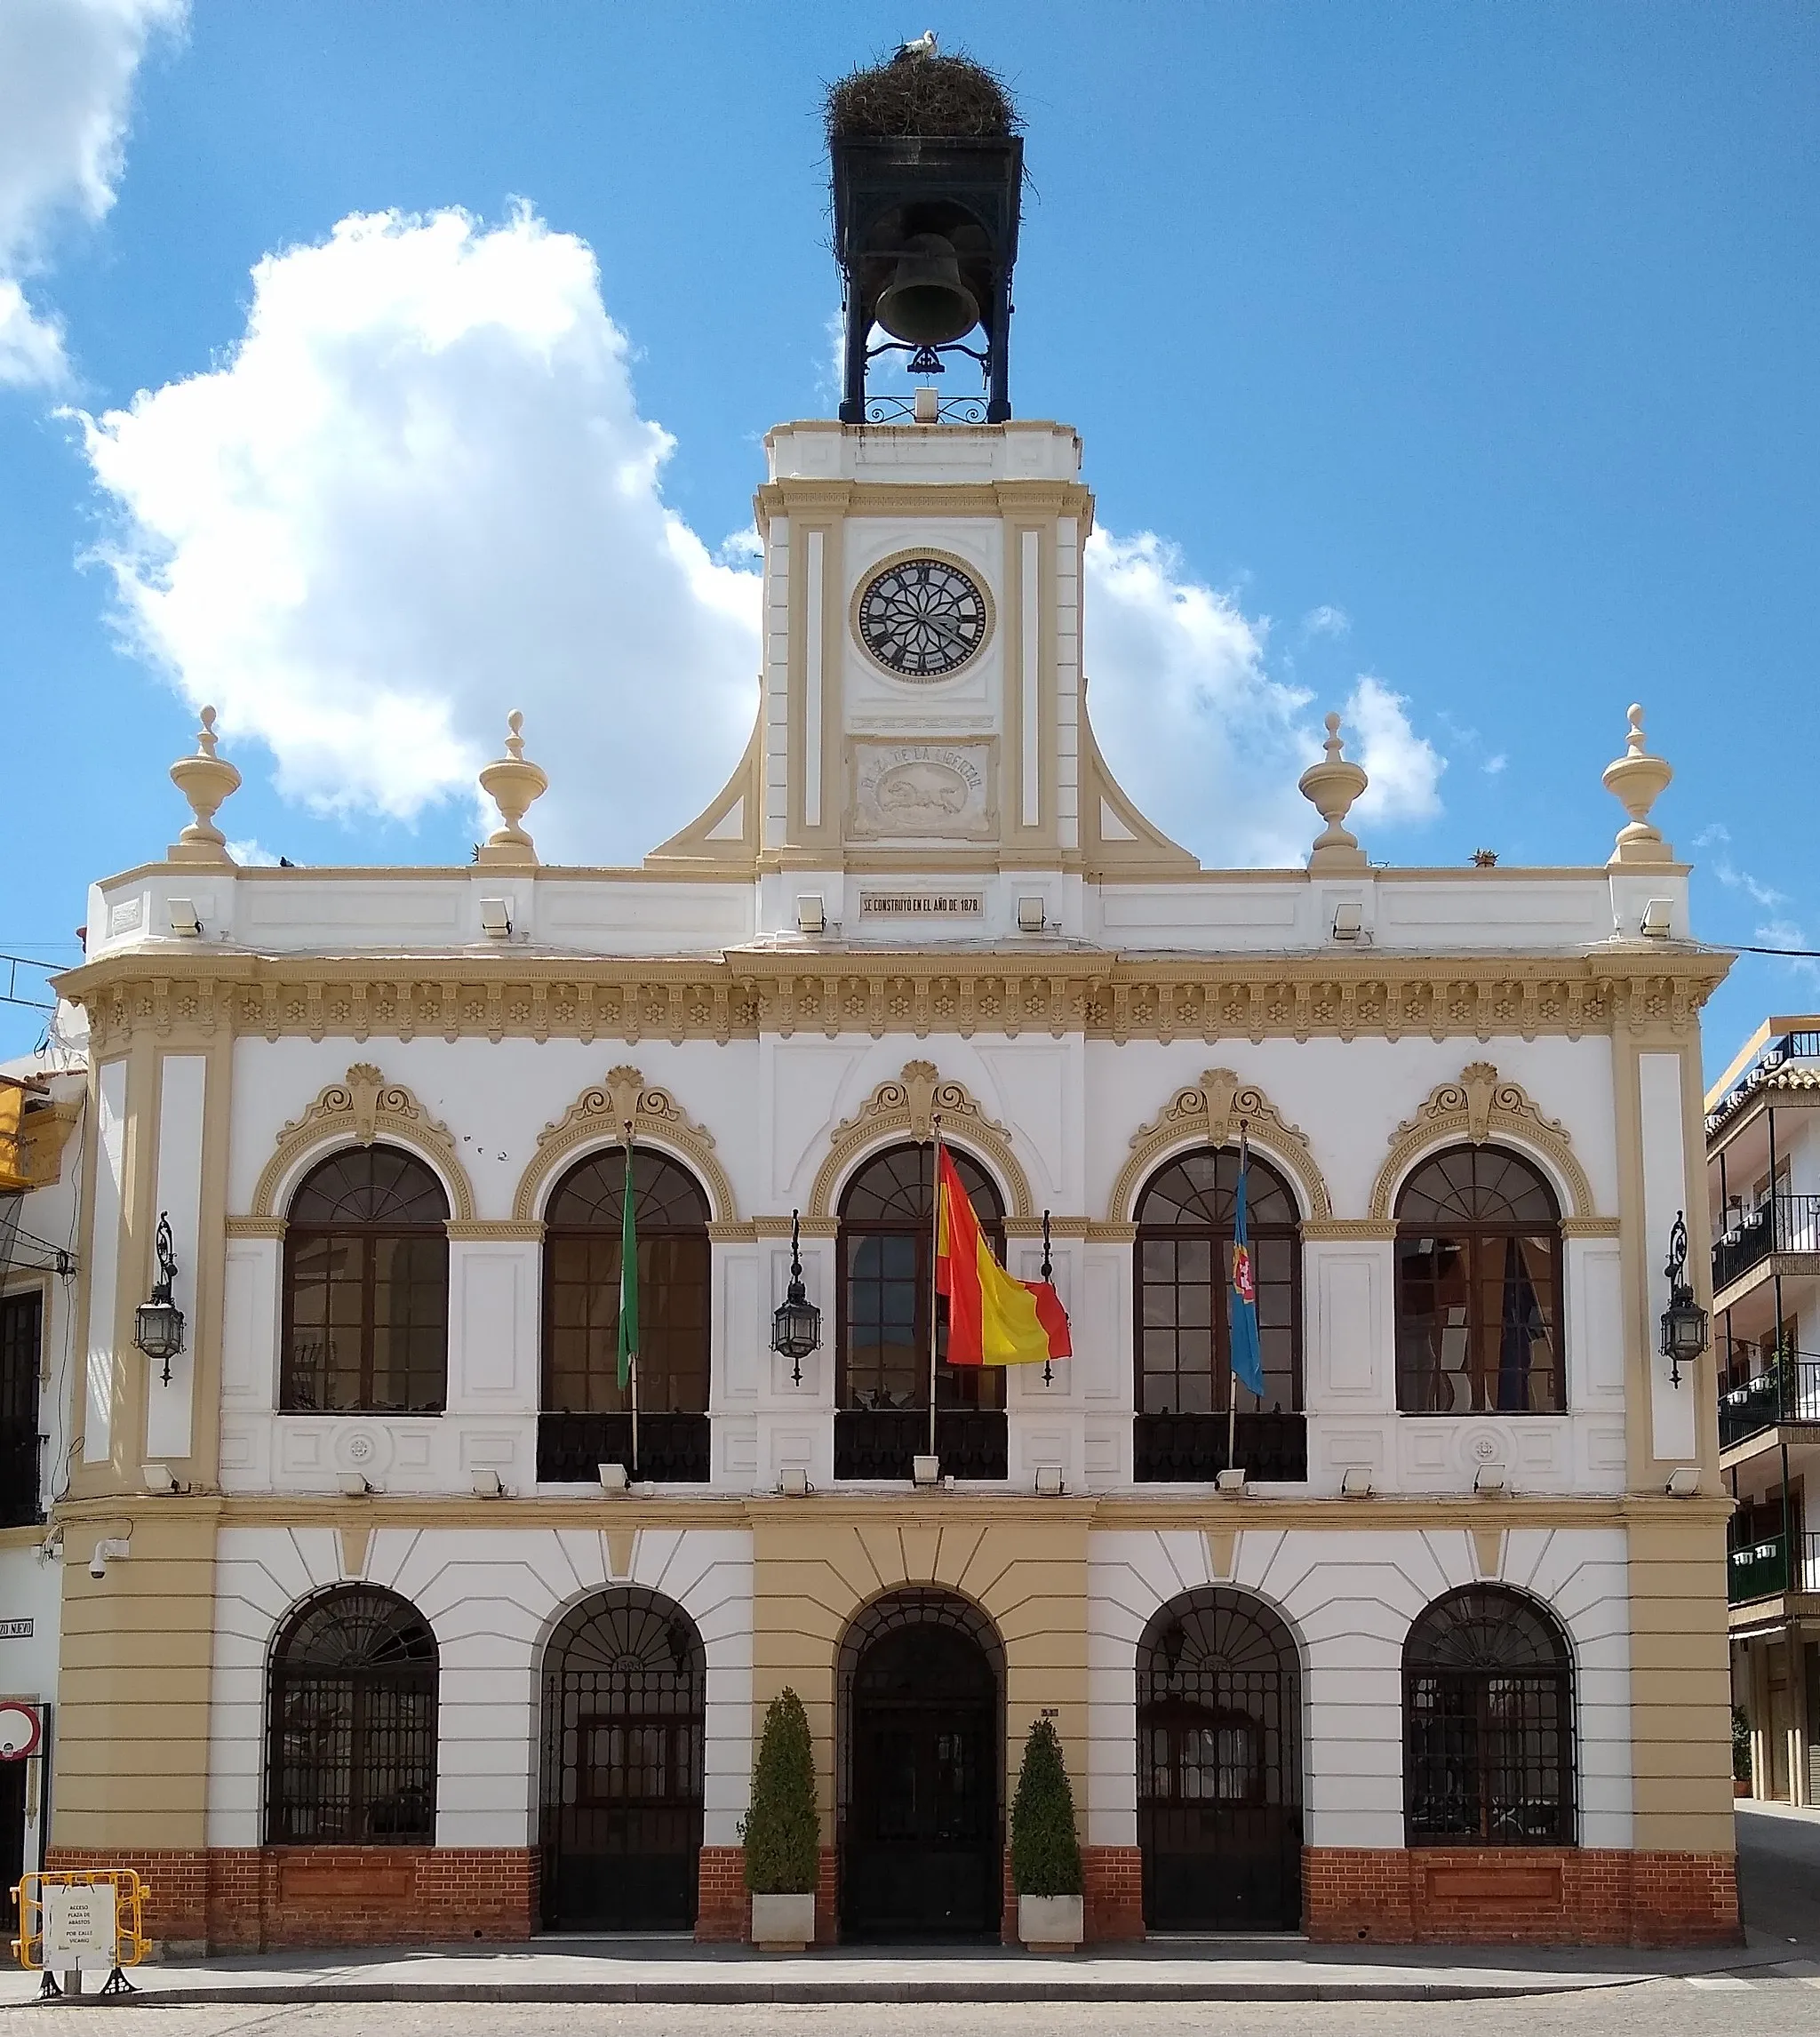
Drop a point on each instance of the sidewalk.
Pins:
(676, 1970)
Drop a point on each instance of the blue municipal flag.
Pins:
(1247, 1351)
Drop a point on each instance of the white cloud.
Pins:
(1203, 737)
(419, 494)
(1737, 880)
(1494, 766)
(1326, 621)
(66, 83)
(251, 854)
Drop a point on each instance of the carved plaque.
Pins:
(921, 792)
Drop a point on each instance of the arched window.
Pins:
(887, 1258)
(366, 1287)
(1185, 1216)
(887, 1267)
(1479, 1286)
(584, 1231)
(352, 1755)
(1489, 1724)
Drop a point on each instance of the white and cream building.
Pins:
(342, 1630)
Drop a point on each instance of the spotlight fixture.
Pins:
(812, 914)
(793, 1482)
(1049, 1481)
(1031, 915)
(926, 1470)
(1658, 919)
(487, 1485)
(1491, 1478)
(1348, 920)
(612, 1477)
(1684, 1482)
(185, 919)
(1230, 1481)
(352, 1485)
(495, 918)
(1356, 1483)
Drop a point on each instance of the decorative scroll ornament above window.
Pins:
(600, 1115)
(361, 1107)
(1481, 1104)
(906, 1107)
(1209, 1112)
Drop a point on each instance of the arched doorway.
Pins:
(1219, 1769)
(921, 1836)
(621, 1823)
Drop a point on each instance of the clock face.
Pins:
(922, 619)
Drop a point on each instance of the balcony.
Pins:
(1788, 1392)
(879, 1442)
(1180, 1447)
(18, 1472)
(1762, 1569)
(1784, 1224)
(673, 1449)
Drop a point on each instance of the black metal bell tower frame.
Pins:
(965, 188)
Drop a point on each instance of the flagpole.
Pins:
(934, 1270)
(632, 1355)
(1232, 1377)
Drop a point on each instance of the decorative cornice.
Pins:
(361, 1107)
(907, 1108)
(1209, 1112)
(190, 997)
(255, 1226)
(601, 1116)
(1333, 1230)
(1481, 1104)
(496, 1230)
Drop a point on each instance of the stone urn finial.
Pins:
(1637, 780)
(204, 780)
(1331, 787)
(511, 782)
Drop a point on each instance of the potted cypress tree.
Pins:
(782, 1834)
(1045, 1850)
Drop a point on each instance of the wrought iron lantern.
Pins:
(158, 1323)
(796, 1321)
(1684, 1329)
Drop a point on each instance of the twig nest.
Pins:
(918, 94)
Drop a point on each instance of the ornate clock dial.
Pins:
(922, 619)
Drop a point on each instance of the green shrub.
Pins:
(1045, 1852)
(1740, 1744)
(782, 1834)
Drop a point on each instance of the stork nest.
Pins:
(920, 95)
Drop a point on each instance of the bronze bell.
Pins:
(926, 302)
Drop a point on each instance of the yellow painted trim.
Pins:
(598, 1117)
(359, 1110)
(1209, 1114)
(1480, 1106)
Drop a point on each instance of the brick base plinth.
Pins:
(260, 1898)
(1519, 1896)
(1114, 1881)
(724, 1915)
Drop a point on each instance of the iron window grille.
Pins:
(1478, 1287)
(366, 1287)
(624, 1707)
(352, 1755)
(21, 1342)
(1487, 1709)
(1219, 1782)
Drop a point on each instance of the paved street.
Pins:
(1779, 1874)
(1659, 2008)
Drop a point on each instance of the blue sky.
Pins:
(1452, 365)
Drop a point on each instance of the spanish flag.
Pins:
(992, 1319)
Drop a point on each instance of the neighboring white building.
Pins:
(1763, 1172)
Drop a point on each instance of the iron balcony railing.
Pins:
(1762, 1569)
(1783, 1224)
(1796, 1046)
(1788, 1392)
(1186, 1448)
(879, 1443)
(673, 1449)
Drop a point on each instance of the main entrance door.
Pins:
(620, 1825)
(1220, 1796)
(921, 1846)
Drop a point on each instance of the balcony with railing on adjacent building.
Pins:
(1787, 1393)
(1798, 1044)
(1768, 1569)
(1780, 1224)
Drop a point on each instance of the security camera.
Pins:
(98, 1562)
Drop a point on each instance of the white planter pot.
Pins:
(1049, 1923)
(783, 1923)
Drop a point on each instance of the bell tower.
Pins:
(928, 169)
(922, 765)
